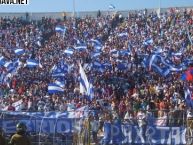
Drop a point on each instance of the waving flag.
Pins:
(123, 34)
(2, 60)
(80, 48)
(95, 42)
(60, 29)
(148, 41)
(68, 51)
(162, 71)
(84, 84)
(54, 88)
(60, 83)
(152, 60)
(19, 51)
(111, 6)
(32, 63)
(8, 64)
(95, 54)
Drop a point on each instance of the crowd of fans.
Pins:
(124, 89)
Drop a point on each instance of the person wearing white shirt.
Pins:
(142, 123)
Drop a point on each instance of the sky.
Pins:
(91, 5)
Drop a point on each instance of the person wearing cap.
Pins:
(20, 137)
(2, 138)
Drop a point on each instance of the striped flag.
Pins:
(111, 6)
(19, 51)
(81, 48)
(60, 29)
(69, 51)
(32, 63)
(60, 83)
(7, 64)
(54, 88)
(84, 84)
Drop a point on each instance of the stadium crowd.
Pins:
(112, 50)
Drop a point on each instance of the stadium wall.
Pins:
(60, 15)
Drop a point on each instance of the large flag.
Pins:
(84, 84)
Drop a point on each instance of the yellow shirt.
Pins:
(18, 139)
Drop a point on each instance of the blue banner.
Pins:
(152, 135)
(114, 132)
(45, 125)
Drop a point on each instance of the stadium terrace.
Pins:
(13, 2)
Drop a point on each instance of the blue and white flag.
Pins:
(162, 71)
(60, 83)
(98, 66)
(2, 60)
(91, 91)
(95, 42)
(69, 51)
(80, 48)
(32, 63)
(8, 64)
(19, 51)
(111, 6)
(84, 84)
(56, 74)
(152, 60)
(54, 88)
(60, 70)
(123, 34)
(60, 29)
(148, 41)
(95, 54)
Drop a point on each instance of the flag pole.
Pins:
(74, 10)
(159, 11)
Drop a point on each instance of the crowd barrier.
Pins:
(60, 129)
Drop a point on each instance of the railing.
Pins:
(76, 131)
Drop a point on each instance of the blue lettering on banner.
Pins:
(153, 135)
(46, 125)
